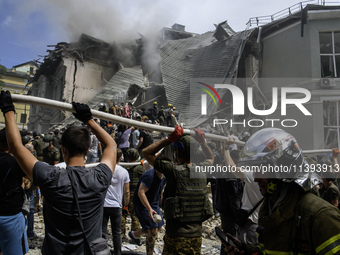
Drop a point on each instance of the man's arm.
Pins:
(200, 138)
(208, 154)
(126, 194)
(335, 162)
(140, 142)
(335, 202)
(230, 162)
(110, 153)
(141, 194)
(149, 153)
(23, 156)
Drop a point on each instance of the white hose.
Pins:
(121, 120)
(124, 164)
(110, 117)
(317, 151)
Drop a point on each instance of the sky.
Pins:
(27, 27)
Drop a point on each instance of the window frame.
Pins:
(332, 55)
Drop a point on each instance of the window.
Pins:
(331, 121)
(330, 54)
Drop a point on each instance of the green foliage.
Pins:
(2, 71)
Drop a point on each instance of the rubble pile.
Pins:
(210, 243)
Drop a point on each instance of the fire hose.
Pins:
(44, 102)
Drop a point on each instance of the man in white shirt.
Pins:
(118, 190)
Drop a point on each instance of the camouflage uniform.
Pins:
(331, 193)
(186, 206)
(50, 155)
(135, 172)
(182, 246)
(39, 146)
(161, 116)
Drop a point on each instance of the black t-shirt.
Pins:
(11, 194)
(63, 234)
(147, 139)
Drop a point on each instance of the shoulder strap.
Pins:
(75, 195)
(254, 208)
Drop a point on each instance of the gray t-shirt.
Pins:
(114, 195)
(63, 234)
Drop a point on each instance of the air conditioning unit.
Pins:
(327, 83)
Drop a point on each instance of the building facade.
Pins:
(16, 80)
(302, 51)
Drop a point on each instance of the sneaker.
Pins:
(136, 240)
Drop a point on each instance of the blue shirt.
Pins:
(124, 138)
(155, 187)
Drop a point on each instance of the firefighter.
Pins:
(292, 220)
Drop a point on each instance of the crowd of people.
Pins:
(264, 214)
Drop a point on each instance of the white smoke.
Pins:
(108, 20)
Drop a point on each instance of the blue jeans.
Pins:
(13, 239)
(115, 216)
(91, 157)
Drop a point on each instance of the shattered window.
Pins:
(331, 120)
(330, 54)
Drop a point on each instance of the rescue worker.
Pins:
(184, 187)
(161, 116)
(102, 108)
(57, 139)
(154, 112)
(175, 113)
(331, 193)
(292, 220)
(169, 113)
(39, 145)
(119, 110)
(51, 154)
(135, 172)
(57, 142)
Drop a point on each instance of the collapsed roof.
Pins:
(183, 63)
(202, 58)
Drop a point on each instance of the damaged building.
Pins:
(298, 47)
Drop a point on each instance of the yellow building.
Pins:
(16, 80)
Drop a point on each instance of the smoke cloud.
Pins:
(118, 20)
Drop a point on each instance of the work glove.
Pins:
(6, 103)
(335, 153)
(125, 210)
(83, 112)
(199, 135)
(174, 136)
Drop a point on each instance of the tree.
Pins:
(3, 70)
